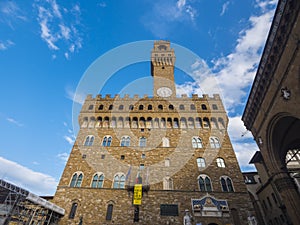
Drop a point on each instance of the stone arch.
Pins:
(120, 123)
(169, 122)
(134, 123)
(156, 123)
(142, 122)
(282, 135)
(149, 123)
(214, 123)
(106, 122)
(99, 122)
(127, 122)
(221, 123)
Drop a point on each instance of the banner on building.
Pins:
(137, 194)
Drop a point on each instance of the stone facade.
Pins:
(166, 143)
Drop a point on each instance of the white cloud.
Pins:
(63, 156)
(59, 28)
(13, 121)
(36, 182)
(102, 4)
(237, 130)
(55, 8)
(244, 152)
(10, 13)
(65, 31)
(76, 97)
(6, 44)
(231, 75)
(70, 139)
(224, 8)
(70, 136)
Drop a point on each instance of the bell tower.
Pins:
(162, 69)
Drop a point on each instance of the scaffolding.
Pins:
(19, 206)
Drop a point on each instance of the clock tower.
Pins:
(162, 69)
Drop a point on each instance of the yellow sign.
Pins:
(137, 194)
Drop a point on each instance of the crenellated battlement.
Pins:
(127, 97)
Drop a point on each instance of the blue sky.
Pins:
(47, 45)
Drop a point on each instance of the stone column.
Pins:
(289, 194)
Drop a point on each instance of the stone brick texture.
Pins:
(153, 123)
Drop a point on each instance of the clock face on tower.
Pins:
(164, 92)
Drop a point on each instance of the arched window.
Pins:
(106, 122)
(162, 123)
(98, 181)
(203, 107)
(201, 162)
(197, 142)
(221, 123)
(181, 107)
(113, 122)
(190, 122)
(99, 122)
(149, 122)
(169, 123)
(193, 107)
(120, 123)
(110, 107)
(149, 107)
(107, 141)
(119, 181)
(130, 107)
(85, 122)
(91, 107)
(142, 122)
(171, 107)
(214, 142)
(73, 210)
(226, 184)
(175, 123)
(214, 107)
(134, 122)
(168, 183)
(121, 107)
(127, 122)
(89, 140)
(141, 107)
(214, 123)
(100, 107)
(109, 212)
(204, 183)
(92, 122)
(160, 107)
(183, 122)
(125, 141)
(165, 142)
(198, 122)
(76, 179)
(156, 123)
(220, 162)
(205, 122)
(142, 142)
